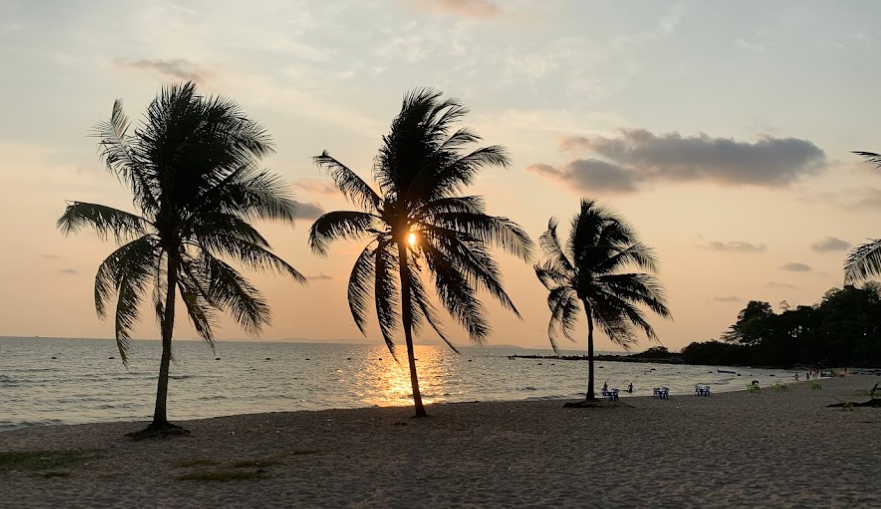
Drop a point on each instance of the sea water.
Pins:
(46, 381)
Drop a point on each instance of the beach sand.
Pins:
(730, 450)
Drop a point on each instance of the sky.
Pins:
(722, 131)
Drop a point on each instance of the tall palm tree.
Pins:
(419, 225)
(192, 168)
(864, 262)
(589, 273)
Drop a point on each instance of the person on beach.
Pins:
(796, 377)
(605, 386)
(630, 388)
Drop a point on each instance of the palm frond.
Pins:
(351, 185)
(339, 225)
(124, 226)
(360, 286)
(870, 157)
(386, 293)
(498, 231)
(864, 262)
(118, 151)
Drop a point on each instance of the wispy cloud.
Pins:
(178, 68)
(321, 277)
(318, 186)
(638, 156)
(309, 210)
(796, 267)
(735, 246)
(730, 298)
(830, 244)
(69, 271)
(776, 284)
(461, 8)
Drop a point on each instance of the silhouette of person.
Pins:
(605, 386)
(630, 387)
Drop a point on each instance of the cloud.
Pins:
(795, 267)
(462, 8)
(319, 186)
(178, 68)
(830, 244)
(69, 271)
(320, 277)
(730, 298)
(309, 210)
(735, 246)
(775, 284)
(591, 175)
(638, 156)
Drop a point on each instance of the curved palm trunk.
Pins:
(590, 387)
(160, 414)
(407, 318)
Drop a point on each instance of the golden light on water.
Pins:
(411, 239)
(387, 383)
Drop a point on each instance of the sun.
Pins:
(411, 239)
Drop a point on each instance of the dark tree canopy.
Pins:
(844, 329)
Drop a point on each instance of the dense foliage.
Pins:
(844, 329)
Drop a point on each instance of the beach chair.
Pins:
(607, 395)
(614, 394)
(665, 393)
(656, 393)
(707, 390)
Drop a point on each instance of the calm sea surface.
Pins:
(83, 384)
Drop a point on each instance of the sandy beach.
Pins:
(774, 449)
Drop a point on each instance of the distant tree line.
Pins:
(844, 329)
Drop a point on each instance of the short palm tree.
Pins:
(589, 273)
(419, 225)
(191, 166)
(864, 262)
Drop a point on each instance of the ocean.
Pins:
(50, 381)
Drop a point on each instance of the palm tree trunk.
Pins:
(407, 318)
(160, 414)
(590, 396)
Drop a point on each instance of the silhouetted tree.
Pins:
(418, 224)
(843, 329)
(588, 272)
(864, 262)
(191, 166)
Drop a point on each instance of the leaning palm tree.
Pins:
(192, 168)
(588, 273)
(864, 262)
(419, 225)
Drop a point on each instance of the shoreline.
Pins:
(731, 449)
(624, 395)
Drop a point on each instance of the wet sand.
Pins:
(736, 449)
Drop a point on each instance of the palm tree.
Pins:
(864, 262)
(588, 273)
(191, 166)
(419, 225)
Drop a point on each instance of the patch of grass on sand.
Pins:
(255, 463)
(195, 462)
(303, 452)
(51, 475)
(41, 460)
(222, 476)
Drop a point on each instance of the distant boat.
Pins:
(729, 372)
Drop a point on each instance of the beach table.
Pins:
(661, 393)
(610, 395)
(702, 390)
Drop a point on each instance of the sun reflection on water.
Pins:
(384, 382)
